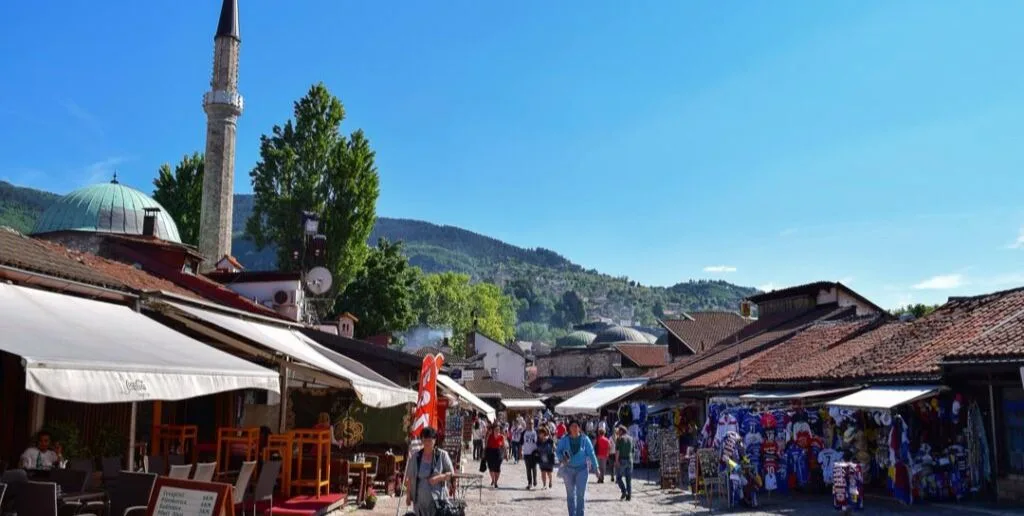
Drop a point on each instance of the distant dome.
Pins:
(576, 339)
(619, 334)
(650, 338)
(106, 208)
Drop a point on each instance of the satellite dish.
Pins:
(318, 280)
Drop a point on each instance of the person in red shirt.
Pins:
(560, 430)
(603, 448)
(495, 452)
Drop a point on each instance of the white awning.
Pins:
(371, 389)
(795, 395)
(88, 351)
(448, 383)
(523, 404)
(885, 397)
(599, 395)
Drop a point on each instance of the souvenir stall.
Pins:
(665, 431)
(918, 443)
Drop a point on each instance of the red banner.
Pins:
(426, 405)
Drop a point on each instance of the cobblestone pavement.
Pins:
(603, 500)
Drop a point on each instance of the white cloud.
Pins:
(1019, 243)
(942, 282)
(719, 268)
(767, 287)
(103, 170)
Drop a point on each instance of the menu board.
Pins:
(174, 497)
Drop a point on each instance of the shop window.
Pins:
(1013, 412)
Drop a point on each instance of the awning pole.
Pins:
(992, 416)
(283, 416)
(131, 436)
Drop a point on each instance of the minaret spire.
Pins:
(223, 105)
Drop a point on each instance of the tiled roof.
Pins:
(561, 386)
(793, 351)
(1005, 340)
(811, 289)
(506, 391)
(751, 339)
(52, 259)
(644, 355)
(828, 363)
(700, 330)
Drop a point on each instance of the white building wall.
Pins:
(503, 364)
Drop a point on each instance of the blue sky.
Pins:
(766, 143)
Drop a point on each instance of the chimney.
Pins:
(149, 221)
(347, 325)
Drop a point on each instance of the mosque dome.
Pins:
(619, 335)
(650, 338)
(576, 339)
(106, 208)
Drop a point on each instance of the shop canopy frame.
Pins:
(879, 397)
(89, 351)
(600, 395)
(523, 404)
(309, 359)
(769, 396)
(450, 384)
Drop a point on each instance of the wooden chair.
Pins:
(320, 477)
(229, 438)
(166, 436)
(281, 446)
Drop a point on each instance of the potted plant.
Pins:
(371, 499)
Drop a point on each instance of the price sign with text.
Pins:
(174, 497)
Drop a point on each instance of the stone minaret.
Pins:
(223, 105)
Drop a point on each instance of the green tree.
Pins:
(570, 310)
(308, 165)
(181, 194)
(449, 300)
(917, 310)
(383, 292)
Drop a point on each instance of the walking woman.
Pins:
(624, 462)
(478, 439)
(427, 475)
(495, 452)
(576, 453)
(530, 454)
(545, 456)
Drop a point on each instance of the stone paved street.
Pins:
(603, 500)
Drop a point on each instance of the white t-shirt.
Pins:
(529, 442)
(32, 458)
(827, 458)
(478, 432)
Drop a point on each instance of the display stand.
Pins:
(166, 436)
(669, 463)
(847, 487)
(320, 440)
(453, 442)
(228, 437)
(281, 445)
(174, 497)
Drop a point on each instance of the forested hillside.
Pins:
(539, 278)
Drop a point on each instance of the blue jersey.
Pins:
(796, 464)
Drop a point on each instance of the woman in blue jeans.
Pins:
(576, 453)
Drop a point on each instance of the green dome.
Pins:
(619, 335)
(576, 339)
(106, 208)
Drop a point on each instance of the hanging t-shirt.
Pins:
(726, 423)
(827, 458)
(529, 442)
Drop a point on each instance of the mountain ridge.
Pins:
(436, 248)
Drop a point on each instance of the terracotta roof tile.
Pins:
(700, 330)
(29, 254)
(794, 351)
(829, 362)
(644, 355)
(750, 339)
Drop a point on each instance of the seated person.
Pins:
(41, 456)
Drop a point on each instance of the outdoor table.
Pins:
(364, 478)
(463, 482)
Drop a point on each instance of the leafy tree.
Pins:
(181, 194)
(538, 332)
(570, 310)
(383, 292)
(450, 300)
(917, 310)
(308, 165)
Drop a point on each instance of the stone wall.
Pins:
(580, 362)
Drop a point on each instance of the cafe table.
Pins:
(364, 482)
